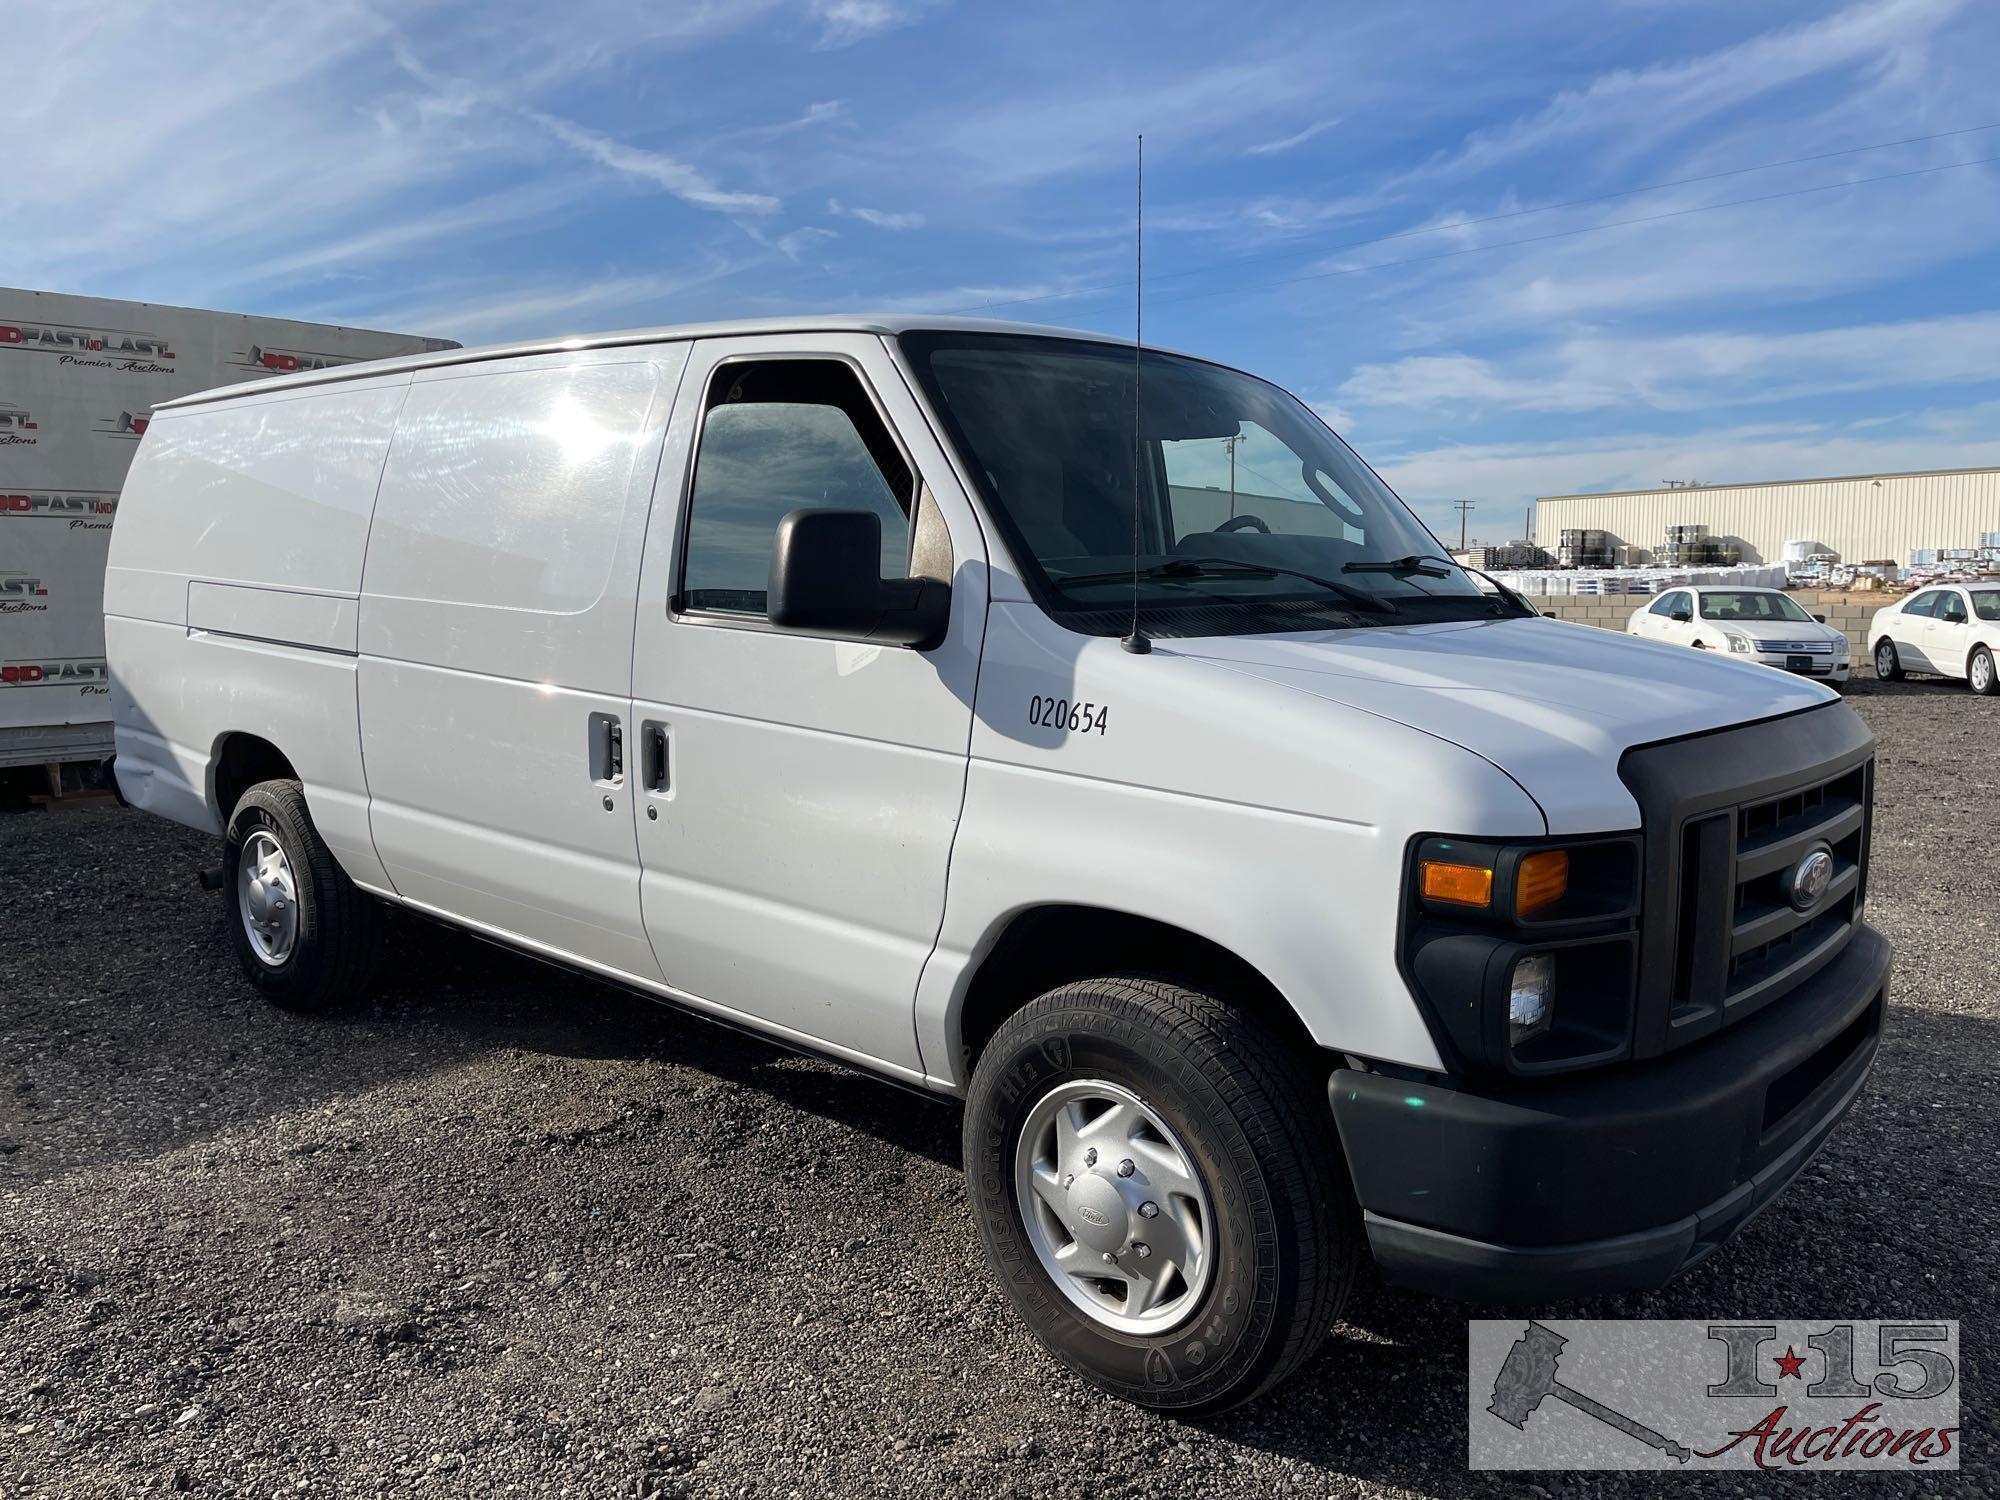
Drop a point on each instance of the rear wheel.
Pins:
(1157, 1185)
(1887, 666)
(1980, 672)
(305, 935)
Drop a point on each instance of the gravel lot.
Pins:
(511, 1232)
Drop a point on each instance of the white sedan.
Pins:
(1951, 630)
(1761, 625)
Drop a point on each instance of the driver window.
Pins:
(1272, 491)
(1951, 609)
(779, 435)
(1666, 604)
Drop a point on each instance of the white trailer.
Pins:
(79, 378)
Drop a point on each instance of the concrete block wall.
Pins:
(1848, 613)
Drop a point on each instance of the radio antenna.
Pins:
(1136, 641)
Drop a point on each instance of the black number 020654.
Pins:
(1060, 713)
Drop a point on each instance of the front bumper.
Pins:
(1615, 1181)
(1825, 668)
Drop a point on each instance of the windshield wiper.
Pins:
(1204, 566)
(1427, 566)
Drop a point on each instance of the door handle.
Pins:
(656, 771)
(606, 749)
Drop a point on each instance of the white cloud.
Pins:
(677, 177)
(1687, 372)
(843, 22)
(874, 216)
(1297, 138)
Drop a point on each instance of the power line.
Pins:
(1535, 239)
(1456, 224)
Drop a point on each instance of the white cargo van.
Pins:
(1272, 896)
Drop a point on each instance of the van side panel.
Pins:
(496, 644)
(231, 599)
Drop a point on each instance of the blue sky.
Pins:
(490, 171)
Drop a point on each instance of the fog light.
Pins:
(1531, 1006)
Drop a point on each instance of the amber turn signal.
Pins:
(1462, 885)
(1541, 881)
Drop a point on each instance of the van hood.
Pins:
(1554, 705)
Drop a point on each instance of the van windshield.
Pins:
(1252, 515)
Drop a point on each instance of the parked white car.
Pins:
(1760, 625)
(1270, 892)
(1952, 630)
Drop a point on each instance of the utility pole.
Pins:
(1464, 508)
(1230, 443)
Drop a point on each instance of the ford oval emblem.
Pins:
(1807, 880)
(1096, 1218)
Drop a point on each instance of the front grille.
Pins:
(1796, 648)
(1721, 939)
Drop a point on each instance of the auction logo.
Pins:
(19, 586)
(102, 348)
(86, 507)
(269, 361)
(1666, 1394)
(86, 672)
(17, 426)
(128, 425)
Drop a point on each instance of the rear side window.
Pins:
(776, 436)
(1923, 604)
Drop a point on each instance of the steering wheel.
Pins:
(1244, 523)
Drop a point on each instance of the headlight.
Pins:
(1531, 1007)
(1741, 644)
(1840, 646)
(1491, 931)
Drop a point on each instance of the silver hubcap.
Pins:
(268, 897)
(1982, 672)
(1885, 661)
(1114, 1207)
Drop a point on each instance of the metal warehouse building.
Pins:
(1866, 518)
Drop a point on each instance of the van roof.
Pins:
(891, 324)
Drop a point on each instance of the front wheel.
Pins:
(1888, 667)
(1156, 1183)
(305, 935)
(1980, 672)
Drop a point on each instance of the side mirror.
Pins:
(1682, 614)
(826, 579)
(1819, 619)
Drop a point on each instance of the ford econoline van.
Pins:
(939, 697)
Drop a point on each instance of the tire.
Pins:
(328, 955)
(1981, 673)
(1280, 1226)
(1888, 667)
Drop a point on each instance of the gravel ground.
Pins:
(511, 1232)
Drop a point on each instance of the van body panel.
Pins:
(317, 622)
(250, 518)
(1132, 816)
(796, 869)
(273, 490)
(496, 645)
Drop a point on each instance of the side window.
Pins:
(1924, 605)
(1666, 604)
(1951, 609)
(778, 435)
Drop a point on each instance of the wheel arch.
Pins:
(238, 762)
(1040, 947)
